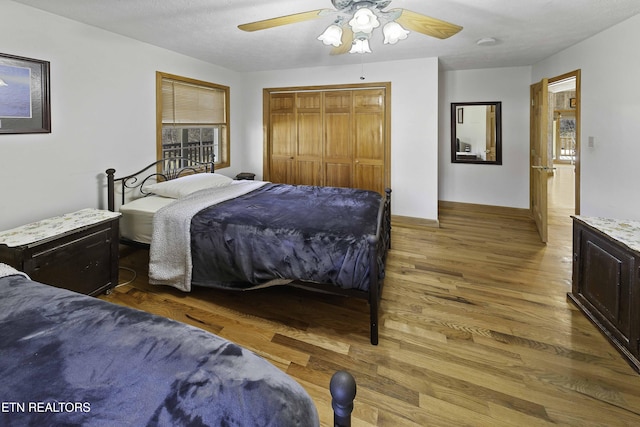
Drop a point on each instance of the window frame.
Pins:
(224, 159)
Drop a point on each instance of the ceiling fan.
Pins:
(355, 21)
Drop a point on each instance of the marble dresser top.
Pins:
(624, 231)
(51, 227)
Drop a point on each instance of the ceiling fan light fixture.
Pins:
(362, 18)
(332, 36)
(364, 21)
(393, 32)
(360, 45)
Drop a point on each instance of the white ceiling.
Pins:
(526, 31)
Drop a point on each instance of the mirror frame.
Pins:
(454, 121)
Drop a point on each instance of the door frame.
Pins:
(575, 74)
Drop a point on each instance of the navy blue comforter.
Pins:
(72, 360)
(279, 231)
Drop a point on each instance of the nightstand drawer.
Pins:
(81, 263)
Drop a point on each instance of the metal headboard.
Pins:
(173, 168)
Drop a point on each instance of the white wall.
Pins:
(610, 66)
(102, 112)
(414, 123)
(498, 185)
(103, 115)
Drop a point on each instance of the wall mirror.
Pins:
(476, 132)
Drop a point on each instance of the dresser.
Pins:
(76, 251)
(606, 280)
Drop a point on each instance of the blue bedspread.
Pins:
(68, 359)
(279, 231)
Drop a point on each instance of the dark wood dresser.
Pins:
(76, 251)
(606, 280)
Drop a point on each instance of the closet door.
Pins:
(368, 139)
(308, 156)
(333, 136)
(338, 154)
(282, 134)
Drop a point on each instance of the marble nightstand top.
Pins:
(55, 226)
(624, 231)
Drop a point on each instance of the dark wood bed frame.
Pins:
(378, 244)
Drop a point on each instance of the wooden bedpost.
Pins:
(343, 391)
(111, 205)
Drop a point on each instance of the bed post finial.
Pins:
(111, 205)
(343, 391)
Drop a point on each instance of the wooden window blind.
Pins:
(184, 103)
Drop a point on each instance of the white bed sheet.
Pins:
(137, 217)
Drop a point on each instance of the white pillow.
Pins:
(185, 185)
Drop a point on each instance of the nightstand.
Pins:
(605, 285)
(76, 251)
(246, 175)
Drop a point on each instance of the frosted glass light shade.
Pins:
(360, 46)
(393, 32)
(332, 36)
(364, 21)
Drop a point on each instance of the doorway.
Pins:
(563, 107)
(555, 151)
(564, 112)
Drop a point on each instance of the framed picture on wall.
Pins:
(572, 102)
(460, 115)
(25, 106)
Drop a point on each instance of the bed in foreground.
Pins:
(208, 230)
(71, 359)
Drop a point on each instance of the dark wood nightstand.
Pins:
(605, 283)
(76, 251)
(246, 175)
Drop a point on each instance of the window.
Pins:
(193, 120)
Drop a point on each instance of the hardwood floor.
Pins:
(475, 330)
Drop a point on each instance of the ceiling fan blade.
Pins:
(347, 41)
(427, 25)
(284, 20)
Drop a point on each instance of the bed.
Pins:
(72, 359)
(205, 229)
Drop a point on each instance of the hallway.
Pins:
(561, 203)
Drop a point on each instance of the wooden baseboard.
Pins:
(421, 223)
(485, 209)
(412, 222)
